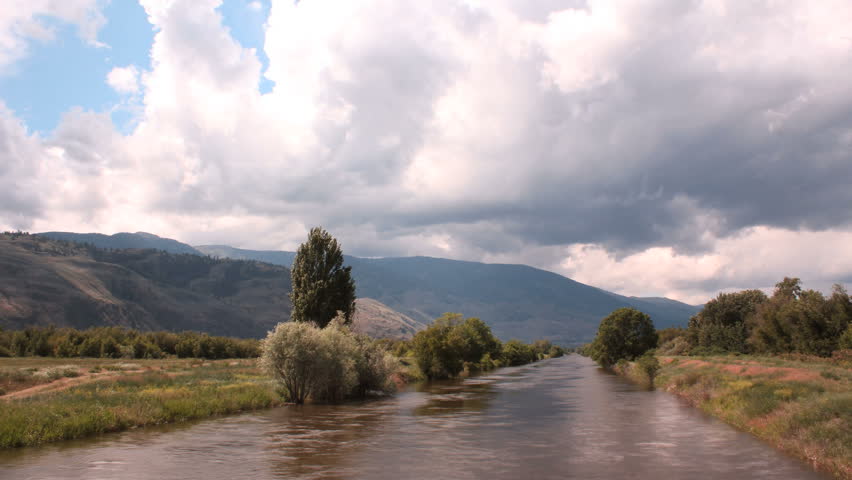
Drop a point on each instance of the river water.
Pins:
(562, 418)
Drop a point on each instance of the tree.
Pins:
(626, 334)
(721, 325)
(803, 321)
(322, 286)
(439, 349)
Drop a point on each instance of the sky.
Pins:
(671, 148)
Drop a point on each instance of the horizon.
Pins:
(576, 137)
(766, 290)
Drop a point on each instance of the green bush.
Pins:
(626, 334)
(325, 365)
(517, 353)
(649, 366)
(844, 343)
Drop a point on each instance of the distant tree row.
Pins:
(452, 345)
(117, 342)
(792, 320)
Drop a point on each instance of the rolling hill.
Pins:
(139, 240)
(518, 301)
(45, 281)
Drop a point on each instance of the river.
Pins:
(562, 418)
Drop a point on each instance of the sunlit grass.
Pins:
(803, 406)
(135, 398)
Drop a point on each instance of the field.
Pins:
(802, 405)
(49, 399)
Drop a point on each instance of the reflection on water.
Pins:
(562, 418)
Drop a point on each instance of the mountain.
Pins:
(518, 301)
(124, 240)
(377, 320)
(45, 281)
(274, 257)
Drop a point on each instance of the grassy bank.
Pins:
(91, 396)
(802, 405)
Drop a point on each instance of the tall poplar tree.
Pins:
(322, 286)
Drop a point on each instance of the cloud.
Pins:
(663, 138)
(124, 79)
(24, 21)
(758, 257)
(20, 199)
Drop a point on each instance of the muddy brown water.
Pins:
(561, 419)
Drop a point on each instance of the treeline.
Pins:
(118, 342)
(452, 345)
(792, 320)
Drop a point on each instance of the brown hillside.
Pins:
(377, 320)
(44, 282)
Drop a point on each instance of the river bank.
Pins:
(51, 399)
(801, 405)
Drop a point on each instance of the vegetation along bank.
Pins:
(779, 367)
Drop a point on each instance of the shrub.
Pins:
(438, 350)
(675, 346)
(516, 353)
(844, 343)
(649, 366)
(374, 366)
(625, 333)
(326, 365)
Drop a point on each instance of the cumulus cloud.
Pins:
(124, 79)
(664, 140)
(22, 21)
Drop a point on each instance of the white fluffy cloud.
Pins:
(654, 148)
(124, 79)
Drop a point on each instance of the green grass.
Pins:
(133, 399)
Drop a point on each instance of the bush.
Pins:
(516, 353)
(675, 346)
(325, 365)
(626, 334)
(375, 367)
(451, 345)
(649, 366)
(844, 343)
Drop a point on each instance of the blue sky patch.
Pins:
(32, 88)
